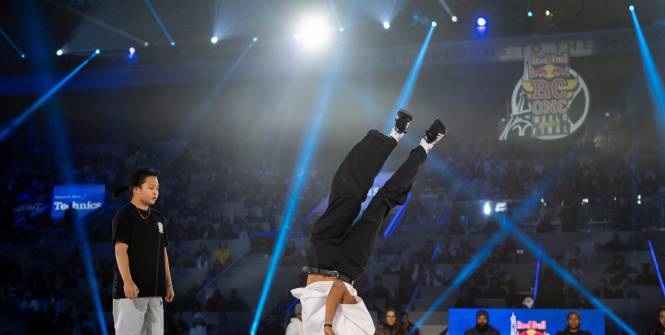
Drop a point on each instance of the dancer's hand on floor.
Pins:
(328, 331)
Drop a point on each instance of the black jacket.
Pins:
(657, 330)
(490, 331)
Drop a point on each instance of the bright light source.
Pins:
(314, 32)
(214, 40)
(59, 52)
(146, 44)
(97, 51)
(585, 200)
(548, 13)
(500, 207)
(481, 21)
(172, 43)
(255, 39)
(487, 208)
(453, 18)
(631, 8)
(434, 24)
(529, 14)
(22, 55)
(386, 25)
(132, 51)
(341, 30)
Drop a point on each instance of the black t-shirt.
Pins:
(146, 239)
(567, 332)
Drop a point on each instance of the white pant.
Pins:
(143, 316)
(349, 319)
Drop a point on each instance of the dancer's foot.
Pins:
(433, 135)
(402, 122)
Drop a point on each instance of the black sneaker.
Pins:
(435, 132)
(402, 121)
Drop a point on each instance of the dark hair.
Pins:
(661, 309)
(574, 313)
(135, 179)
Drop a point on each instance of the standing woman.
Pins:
(142, 276)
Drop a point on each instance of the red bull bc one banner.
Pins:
(522, 321)
(549, 102)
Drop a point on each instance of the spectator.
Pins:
(215, 302)
(29, 303)
(659, 329)
(390, 326)
(407, 325)
(199, 326)
(222, 254)
(177, 325)
(646, 277)
(482, 325)
(573, 325)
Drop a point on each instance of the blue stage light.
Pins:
(453, 18)
(481, 22)
(255, 39)
(59, 52)
(214, 40)
(434, 24)
(386, 25)
(97, 51)
(631, 8)
(529, 14)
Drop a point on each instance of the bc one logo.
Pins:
(549, 102)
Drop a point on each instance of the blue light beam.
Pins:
(407, 90)
(159, 22)
(535, 284)
(655, 266)
(9, 128)
(86, 257)
(654, 81)
(299, 174)
(397, 218)
(11, 42)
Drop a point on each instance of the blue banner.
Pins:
(526, 321)
(84, 198)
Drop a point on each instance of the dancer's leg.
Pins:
(359, 242)
(350, 185)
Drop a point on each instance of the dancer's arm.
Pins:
(338, 294)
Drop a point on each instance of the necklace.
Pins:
(141, 215)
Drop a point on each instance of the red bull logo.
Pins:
(549, 102)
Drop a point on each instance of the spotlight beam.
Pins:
(535, 284)
(16, 122)
(200, 113)
(654, 81)
(446, 8)
(159, 21)
(405, 95)
(299, 174)
(655, 266)
(11, 42)
(97, 22)
(87, 258)
(333, 9)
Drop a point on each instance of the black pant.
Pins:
(338, 244)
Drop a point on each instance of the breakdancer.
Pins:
(338, 250)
